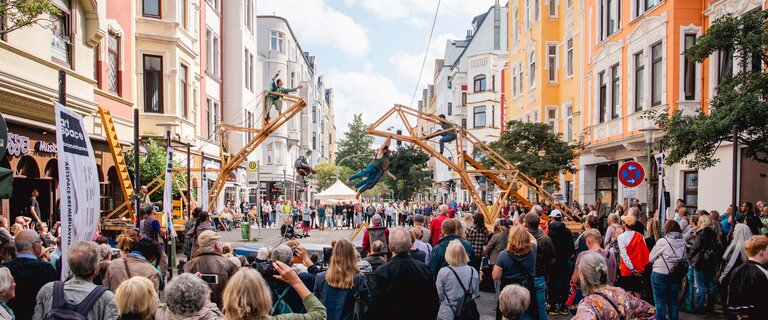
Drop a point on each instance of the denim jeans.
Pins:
(330, 221)
(368, 171)
(272, 217)
(706, 295)
(370, 182)
(446, 137)
(665, 296)
(541, 296)
(689, 293)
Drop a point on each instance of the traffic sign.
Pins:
(631, 174)
(253, 169)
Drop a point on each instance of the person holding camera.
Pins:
(212, 266)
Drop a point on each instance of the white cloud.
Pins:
(317, 23)
(407, 9)
(407, 64)
(369, 93)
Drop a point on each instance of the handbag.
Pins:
(362, 303)
(678, 270)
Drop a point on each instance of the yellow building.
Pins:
(543, 81)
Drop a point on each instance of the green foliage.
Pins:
(355, 149)
(741, 100)
(23, 13)
(326, 174)
(407, 163)
(153, 167)
(534, 150)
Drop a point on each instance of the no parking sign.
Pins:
(631, 174)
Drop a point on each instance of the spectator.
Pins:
(545, 260)
(280, 290)
(513, 301)
(682, 219)
(105, 254)
(187, 297)
(5, 237)
(191, 222)
(736, 252)
(477, 234)
(612, 232)
(563, 249)
(634, 256)
(377, 232)
(593, 273)
(746, 288)
(202, 224)
(376, 258)
(435, 227)
(418, 221)
(517, 265)
(456, 279)
(247, 296)
(7, 292)
(449, 230)
(208, 259)
(29, 273)
(136, 299)
(668, 251)
(590, 222)
(498, 241)
(403, 288)
(593, 243)
(83, 260)
(704, 260)
(136, 263)
(336, 288)
(421, 249)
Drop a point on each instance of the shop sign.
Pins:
(17, 144)
(45, 147)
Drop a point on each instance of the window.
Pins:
(249, 121)
(691, 189)
(153, 83)
(725, 64)
(151, 8)
(212, 118)
(314, 114)
(639, 81)
(270, 153)
(463, 99)
(603, 91)
(569, 58)
(216, 119)
(527, 14)
(689, 79)
(568, 122)
(251, 73)
(520, 76)
(532, 70)
(479, 117)
(293, 79)
(248, 19)
(552, 62)
(61, 28)
(183, 90)
(213, 53)
(480, 83)
(641, 6)
(514, 82)
(113, 62)
(656, 74)
(247, 69)
(277, 41)
(569, 3)
(535, 10)
(97, 66)
(314, 142)
(610, 14)
(216, 55)
(215, 5)
(183, 13)
(552, 8)
(450, 86)
(450, 108)
(516, 25)
(275, 153)
(552, 118)
(615, 91)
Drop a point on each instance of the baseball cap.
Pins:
(418, 218)
(208, 238)
(556, 214)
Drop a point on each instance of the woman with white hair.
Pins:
(602, 301)
(736, 253)
(7, 292)
(187, 297)
(513, 301)
(455, 280)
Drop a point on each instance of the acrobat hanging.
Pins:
(448, 133)
(302, 167)
(277, 100)
(375, 170)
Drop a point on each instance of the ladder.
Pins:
(126, 186)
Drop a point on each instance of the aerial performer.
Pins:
(375, 170)
(277, 100)
(448, 134)
(303, 167)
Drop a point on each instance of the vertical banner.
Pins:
(204, 192)
(78, 182)
(662, 207)
(168, 194)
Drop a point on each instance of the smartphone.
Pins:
(210, 278)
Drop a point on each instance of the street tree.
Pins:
(154, 166)
(408, 164)
(355, 148)
(741, 103)
(326, 174)
(23, 13)
(535, 150)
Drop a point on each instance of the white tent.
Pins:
(337, 192)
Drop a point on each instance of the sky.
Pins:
(370, 51)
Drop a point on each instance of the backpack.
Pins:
(361, 301)
(280, 306)
(679, 269)
(63, 310)
(466, 309)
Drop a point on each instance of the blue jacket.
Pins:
(437, 261)
(339, 303)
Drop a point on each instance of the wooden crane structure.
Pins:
(507, 177)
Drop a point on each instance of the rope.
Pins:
(424, 61)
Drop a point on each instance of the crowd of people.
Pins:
(432, 264)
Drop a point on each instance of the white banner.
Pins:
(204, 192)
(78, 182)
(662, 207)
(168, 194)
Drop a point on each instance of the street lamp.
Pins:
(650, 137)
(170, 243)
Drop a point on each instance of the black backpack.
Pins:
(62, 310)
(466, 309)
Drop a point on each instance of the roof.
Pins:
(304, 54)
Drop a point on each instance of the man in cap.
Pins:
(209, 261)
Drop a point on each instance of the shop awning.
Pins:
(6, 183)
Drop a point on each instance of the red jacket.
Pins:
(436, 228)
